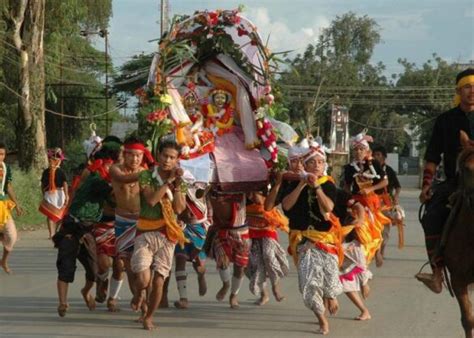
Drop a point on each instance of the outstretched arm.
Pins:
(120, 176)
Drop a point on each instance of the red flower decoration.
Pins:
(157, 116)
(241, 31)
(212, 19)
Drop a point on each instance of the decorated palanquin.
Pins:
(211, 77)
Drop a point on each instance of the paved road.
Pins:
(400, 306)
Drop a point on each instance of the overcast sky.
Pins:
(413, 29)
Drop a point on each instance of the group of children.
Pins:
(130, 212)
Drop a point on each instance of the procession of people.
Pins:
(206, 184)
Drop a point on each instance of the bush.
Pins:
(27, 188)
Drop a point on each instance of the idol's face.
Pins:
(220, 99)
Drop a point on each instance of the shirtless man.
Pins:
(127, 195)
(231, 243)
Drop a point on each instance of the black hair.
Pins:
(3, 146)
(172, 144)
(109, 150)
(380, 149)
(464, 73)
(133, 139)
(112, 138)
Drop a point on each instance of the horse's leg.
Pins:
(462, 295)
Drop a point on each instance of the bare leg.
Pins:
(118, 267)
(225, 278)
(4, 261)
(378, 258)
(276, 292)
(235, 287)
(365, 290)
(103, 265)
(333, 305)
(359, 303)
(263, 296)
(153, 301)
(62, 295)
(181, 279)
(88, 298)
(51, 228)
(141, 283)
(164, 304)
(200, 269)
(323, 324)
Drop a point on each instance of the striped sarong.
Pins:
(53, 205)
(196, 234)
(104, 234)
(125, 232)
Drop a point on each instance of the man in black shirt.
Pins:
(389, 196)
(444, 141)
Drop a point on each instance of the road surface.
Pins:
(399, 305)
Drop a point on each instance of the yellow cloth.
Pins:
(331, 237)
(6, 207)
(274, 217)
(464, 81)
(173, 231)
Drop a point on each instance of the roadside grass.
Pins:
(27, 188)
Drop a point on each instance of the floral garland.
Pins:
(359, 171)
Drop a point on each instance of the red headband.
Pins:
(147, 157)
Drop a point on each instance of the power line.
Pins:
(64, 115)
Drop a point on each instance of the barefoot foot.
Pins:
(136, 302)
(148, 324)
(365, 315)
(234, 303)
(276, 293)
(263, 300)
(222, 292)
(101, 290)
(181, 304)
(88, 299)
(112, 305)
(62, 309)
(333, 306)
(5, 266)
(430, 280)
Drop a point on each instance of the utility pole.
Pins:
(107, 120)
(164, 22)
(61, 102)
(103, 33)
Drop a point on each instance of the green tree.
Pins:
(73, 67)
(337, 69)
(431, 87)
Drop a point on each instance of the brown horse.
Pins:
(459, 250)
